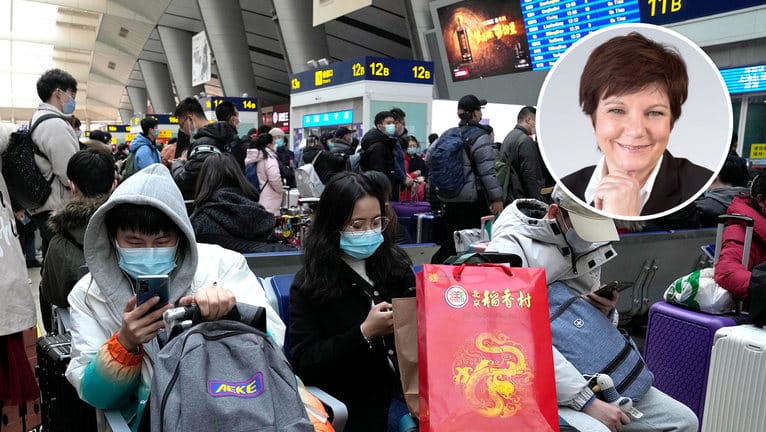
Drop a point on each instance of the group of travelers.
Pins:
(102, 229)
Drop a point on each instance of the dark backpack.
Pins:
(26, 183)
(226, 375)
(251, 173)
(129, 167)
(445, 161)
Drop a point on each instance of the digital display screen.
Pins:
(328, 118)
(745, 79)
(553, 26)
(484, 38)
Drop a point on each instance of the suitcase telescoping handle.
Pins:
(726, 219)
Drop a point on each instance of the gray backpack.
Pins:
(226, 375)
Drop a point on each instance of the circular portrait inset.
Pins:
(634, 121)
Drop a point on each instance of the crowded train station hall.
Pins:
(382, 215)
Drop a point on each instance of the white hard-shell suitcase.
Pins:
(735, 399)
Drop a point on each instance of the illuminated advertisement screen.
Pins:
(484, 38)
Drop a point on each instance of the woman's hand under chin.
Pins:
(618, 194)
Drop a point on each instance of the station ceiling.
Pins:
(100, 42)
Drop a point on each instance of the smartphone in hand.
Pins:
(149, 286)
(608, 290)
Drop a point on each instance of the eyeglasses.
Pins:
(358, 226)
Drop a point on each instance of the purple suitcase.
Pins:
(679, 341)
(405, 210)
(678, 346)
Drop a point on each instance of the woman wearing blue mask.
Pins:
(416, 170)
(341, 322)
(264, 154)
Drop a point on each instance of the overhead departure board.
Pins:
(553, 26)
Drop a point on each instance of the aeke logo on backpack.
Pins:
(250, 388)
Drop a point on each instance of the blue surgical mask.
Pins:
(412, 150)
(330, 145)
(361, 244)
(390, 129)
(147, 261)
(68, 105)
(279, 142)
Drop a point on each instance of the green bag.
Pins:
(129, 168)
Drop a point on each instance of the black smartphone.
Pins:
(149, 286)
(607, 290)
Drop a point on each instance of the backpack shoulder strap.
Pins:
(316, 157)
(33, 126)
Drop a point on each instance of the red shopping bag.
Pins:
(485, 361)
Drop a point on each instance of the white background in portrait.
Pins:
(702, 133)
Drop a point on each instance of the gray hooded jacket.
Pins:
(98, 300)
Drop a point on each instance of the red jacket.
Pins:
(729, 272)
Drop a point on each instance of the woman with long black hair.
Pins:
(341, 319)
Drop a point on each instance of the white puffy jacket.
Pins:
(522, 229)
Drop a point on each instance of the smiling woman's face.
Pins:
(632, 131)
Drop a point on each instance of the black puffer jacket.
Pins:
(233, 221)
(378, 155)
(214, 137)
(327, 164)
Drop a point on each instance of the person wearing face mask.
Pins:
(264, 154)
(378, 152)
(416, 169)
(143, 229)
(206, 138)
(341, 323)
(57, 140)
(143, 147)
(285, 157)
(572, 243)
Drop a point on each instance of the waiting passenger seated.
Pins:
(91, 174)
(341, 323)
(572, 244)
(143, 229)
(729, 272)
(730, 182)
(226, 209)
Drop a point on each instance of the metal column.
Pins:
(138, 99)
(301, 41)
(228, 42)
(178, 49)
(157, 79)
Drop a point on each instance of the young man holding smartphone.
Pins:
(572, 243)
(143, 229)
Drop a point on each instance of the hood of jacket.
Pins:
(219, 134)
(230, 214)
(139, 141)
(726, 194)
(741, 205)
(75, 215)
(152, 186)
(523, 229)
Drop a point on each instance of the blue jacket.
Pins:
(145, 150)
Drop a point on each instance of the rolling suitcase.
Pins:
(735, 399)
(62, 408)
(405, 211)
(679, 341)
(428, 227)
